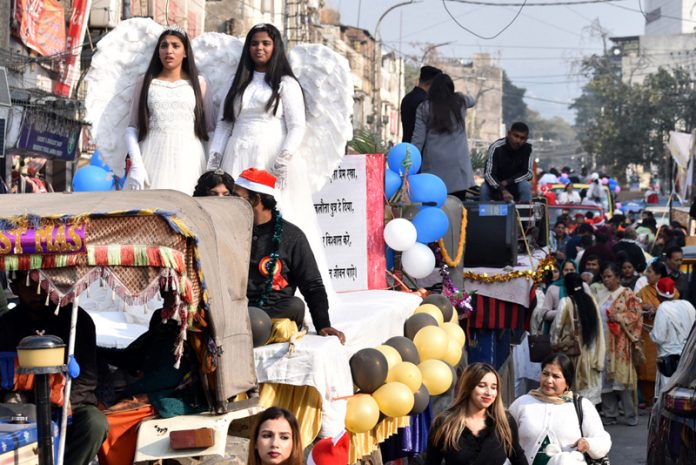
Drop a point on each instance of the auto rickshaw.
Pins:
(129, 241)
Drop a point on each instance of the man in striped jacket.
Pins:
(509, 167)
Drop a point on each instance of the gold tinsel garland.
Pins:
(545, 264)
(460, 247)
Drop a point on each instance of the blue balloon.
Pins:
(97, 161)
(92, 179)
(392, 183)
(390, 258)
(431, 224)
(396, 156)
(426, 187)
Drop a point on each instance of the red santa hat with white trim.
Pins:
(330, 451)
(256, 180)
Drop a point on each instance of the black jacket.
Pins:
(484, 449)
(505, 164)
(409, 105)
(20, 322)
(299, 269)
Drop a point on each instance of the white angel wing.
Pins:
(121, 59)
(328, 89)
(217, 56)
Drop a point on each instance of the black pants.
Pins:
(287, 307)
(85, 435)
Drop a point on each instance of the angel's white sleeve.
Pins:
(207, 95)
(293, 113)
(223, 130)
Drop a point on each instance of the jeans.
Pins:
(522, 192)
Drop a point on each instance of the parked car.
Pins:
(672, 428)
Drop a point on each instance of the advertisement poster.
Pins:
(41, 25)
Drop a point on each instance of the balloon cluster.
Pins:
(95, 177)
(429, 224)
(398, 377)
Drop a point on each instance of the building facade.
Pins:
(669, 16)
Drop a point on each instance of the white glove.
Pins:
(280, 168)
(137, 176)
(214, 161)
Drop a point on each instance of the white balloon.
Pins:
(400, 234)
(418, 261)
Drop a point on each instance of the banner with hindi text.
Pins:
(350, 210)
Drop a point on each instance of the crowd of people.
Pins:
(612, 307)
(627, 303)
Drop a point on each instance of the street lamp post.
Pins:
(431, 48)
(377, 65)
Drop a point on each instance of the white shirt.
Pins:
(536, 420)
(673, 322)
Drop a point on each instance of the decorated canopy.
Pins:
(135, 242)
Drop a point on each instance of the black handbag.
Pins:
(667, 364)
(539, 347)
(577, 402)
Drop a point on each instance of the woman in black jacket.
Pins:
(475, 429)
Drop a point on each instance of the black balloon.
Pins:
(406, 348)
(441, 302)
(421, 400)
(261, 326)
(416, 322)
(369, 369)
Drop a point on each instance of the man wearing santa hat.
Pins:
(673, 321)
(281, 260)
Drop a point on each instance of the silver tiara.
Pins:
(175, 28)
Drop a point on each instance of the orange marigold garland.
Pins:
(460, 247)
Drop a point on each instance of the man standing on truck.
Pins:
(509, 167)
(281, 260)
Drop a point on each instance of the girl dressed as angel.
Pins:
(262, 124)
(262, 119)
(171, 115)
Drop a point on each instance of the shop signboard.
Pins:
(48, 135)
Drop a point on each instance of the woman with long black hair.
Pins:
(440, 135)
(262, 120)
(578, 320)
(170, 119)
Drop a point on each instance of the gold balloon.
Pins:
(393, 358)
(455, 333)
(409, 374)
(454, 352)
(431, 342)
(431, 309)
(362, 413)
(437, 376)
(394, 399)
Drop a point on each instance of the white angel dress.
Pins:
(174, 157)
(258, 138)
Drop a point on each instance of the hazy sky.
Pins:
(539, 50)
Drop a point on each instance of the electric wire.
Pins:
(444, 4)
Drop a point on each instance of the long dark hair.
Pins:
(449, 425)
(155, 68)
(278, 66)
(273, 413)
(444, 104)
(587, 311)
